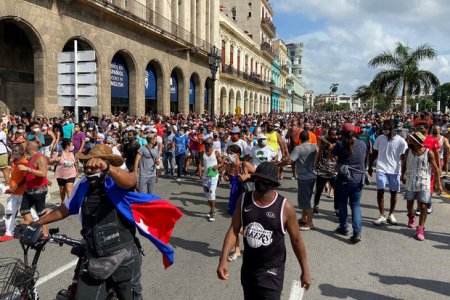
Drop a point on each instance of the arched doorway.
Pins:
(21, 68)
(176, 88)
(82, 45)
(120, 92)
(246, 102)
(231, 102)
(208, 94)
(151, 90)
(194, 93)
(239, 101)
(223, 101)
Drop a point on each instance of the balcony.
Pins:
(143, 15)
(268, 49)
(285, 68)
(254, 78)
(269, 27)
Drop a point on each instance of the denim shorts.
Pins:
(422, 196)
(393, 180)
(209, 187)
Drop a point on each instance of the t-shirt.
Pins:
(3, 142)
(245, 149)
(355, 160)
(431, 143)
(67, 130)
(78, 139)
(141, 140)
(17, 176)
(147, 166)
(167, 141)
(181, 143)
(389, 153)
(304, 157)
(260, 155)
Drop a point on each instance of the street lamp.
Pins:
(214, 61)
(271, 86)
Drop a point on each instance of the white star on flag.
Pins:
(142, 226)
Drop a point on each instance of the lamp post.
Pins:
(214, 61)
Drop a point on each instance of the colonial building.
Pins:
(281, 85)
(150, 55)
(245, 72)
(295, 52)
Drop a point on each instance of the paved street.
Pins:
(387, 264)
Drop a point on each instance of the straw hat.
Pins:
(104, 152)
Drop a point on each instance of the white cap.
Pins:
(261, 137)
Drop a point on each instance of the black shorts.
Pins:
(259, 293)
(63, 182)
(36, 199)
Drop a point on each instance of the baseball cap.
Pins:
(261, 137)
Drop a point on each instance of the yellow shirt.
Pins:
(272, 140)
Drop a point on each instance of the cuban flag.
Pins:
(154, 217)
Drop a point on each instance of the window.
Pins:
(238, 67)
(249, 14)
(231, 55)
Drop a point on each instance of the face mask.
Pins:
(435, 132)
(71, 148)
(231, 158)
(84, 119)
(333, 124)
(269, 128)
(36, 130)
(215, 136)
(264, 143)
(193, 130)
(20, 130)
(44, 128)
(16, 156)
(181, 133)
(262, 187)
(411, 146)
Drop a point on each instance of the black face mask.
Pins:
(411, 146)
(435, 132)
(215, 136)
(269, 129)
(262, 187)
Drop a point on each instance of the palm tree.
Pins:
(402, 71)
(334, 88)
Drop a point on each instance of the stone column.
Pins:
(193, 20)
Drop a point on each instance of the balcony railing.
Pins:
(267, 48)
(268, 22)
(255, 78)
(142, 14)
(285, 68)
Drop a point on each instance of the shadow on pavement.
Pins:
(344, 293)
(195, 246)
(435, 286)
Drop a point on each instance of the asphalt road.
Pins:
(388, 264)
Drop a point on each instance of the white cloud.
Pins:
(354, 31)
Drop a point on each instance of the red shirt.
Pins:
(431, 143)
(159, 130)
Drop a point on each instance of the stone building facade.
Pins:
(244, 74)
(159, 43)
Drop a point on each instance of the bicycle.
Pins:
(18, 278)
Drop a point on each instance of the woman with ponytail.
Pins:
(350, 153)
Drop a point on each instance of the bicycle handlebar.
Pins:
(62, 239)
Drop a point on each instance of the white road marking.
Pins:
(55, 273)
(297, 291)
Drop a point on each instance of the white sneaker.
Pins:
(212, 216)
(380, 221)
(391, 219)
(178, 179)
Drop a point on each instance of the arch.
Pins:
(194, 93)
(208, 96)
(154, 87)
(123, 82)
(251, 103)
(246, 102)
(18, 37)
(177, 97)
(239, 100)
(231, 102)
(223, 101)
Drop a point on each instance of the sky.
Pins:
(341, 36)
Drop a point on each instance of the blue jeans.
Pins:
(180, 158)
(349, 192)
(168, 157)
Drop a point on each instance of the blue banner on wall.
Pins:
(173, 89)
(150, 83)
(119, 77)
(206, 95)
(191, 92)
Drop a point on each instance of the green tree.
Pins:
(424, 104)
(401, 71)
(442, 93)
(334, 88)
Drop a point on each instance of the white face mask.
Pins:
(264, 143)
(231, 158)
(36, 130)
(20, 130)
(44, 128)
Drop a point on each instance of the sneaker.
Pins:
(316, 210)
(293, 178)
(418, 211)
(356, 238)
(178, 179)
(420, 233)
(212, 216)
(380, 221)
(6, 237)
(391, 219)
(429, 209)
(341, 231)
(411, 221)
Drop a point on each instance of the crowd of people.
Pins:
(335, 152)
